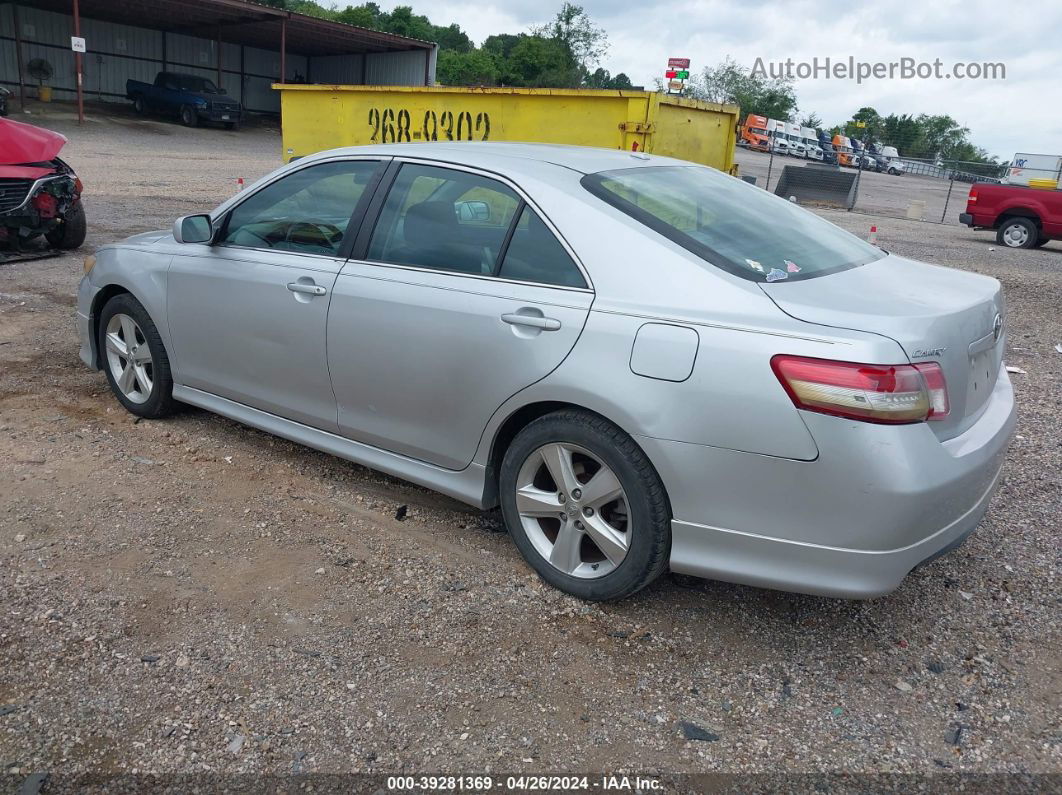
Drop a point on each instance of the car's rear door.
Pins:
(247, 314)
(460, 294)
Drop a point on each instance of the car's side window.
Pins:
(307, 211)
(444, 219)
(535, 255)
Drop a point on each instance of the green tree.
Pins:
(366, 15)
(475, 68)
(573, 28)
(451, 37)
(538, 62)
(811, 120)
(730, 83)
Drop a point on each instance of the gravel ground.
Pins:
(192, 596)
(878, 194)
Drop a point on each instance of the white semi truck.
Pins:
(812, 150)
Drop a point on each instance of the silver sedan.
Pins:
(647, 364)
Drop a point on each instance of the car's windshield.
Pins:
(757, 131)
(200, 85)
(731, 224)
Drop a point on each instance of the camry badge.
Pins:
(923, 352)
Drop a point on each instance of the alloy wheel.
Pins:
(129, 358)
(574, 510)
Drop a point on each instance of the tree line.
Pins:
(563, 53)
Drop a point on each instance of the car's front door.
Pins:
(462, 297)
(247, 313)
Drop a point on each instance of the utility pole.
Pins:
(77, 67)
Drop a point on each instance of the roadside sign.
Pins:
(678, 63)
(77, 44)
(675, 85)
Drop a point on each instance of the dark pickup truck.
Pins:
(1022, 217)
(190, 98)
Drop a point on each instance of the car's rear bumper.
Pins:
(966, 219)
(877, 502)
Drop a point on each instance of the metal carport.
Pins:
(231, 41)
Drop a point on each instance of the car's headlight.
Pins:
(201, 102)
(90, 260)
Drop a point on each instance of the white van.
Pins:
(889, 160)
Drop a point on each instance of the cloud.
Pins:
(1020, 113)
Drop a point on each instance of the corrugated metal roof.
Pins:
(242, 22)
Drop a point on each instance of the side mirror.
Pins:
(193, 229)
(473, 211)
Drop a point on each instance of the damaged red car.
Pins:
(40, 195)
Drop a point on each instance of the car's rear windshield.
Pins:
(731, 224)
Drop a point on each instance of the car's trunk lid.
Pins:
(935, 314)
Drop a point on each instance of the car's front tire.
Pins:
(1018, 233)
(134, 358)
(188, 116)
(585, 506)
(70, 234)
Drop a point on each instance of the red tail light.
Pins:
(972, 198)
(891, 394)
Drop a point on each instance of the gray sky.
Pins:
(1021, 113)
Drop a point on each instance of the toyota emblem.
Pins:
(997, 326)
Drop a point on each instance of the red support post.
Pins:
(77, 68)
(283, 50)
(18, 58)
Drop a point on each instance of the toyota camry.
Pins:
(646, 363)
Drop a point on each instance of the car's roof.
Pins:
(583, 159)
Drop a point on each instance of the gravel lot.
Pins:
(191, 595)
(880, 194)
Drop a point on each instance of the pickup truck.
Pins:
(1022, 217)
(191, 98)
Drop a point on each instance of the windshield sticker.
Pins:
(776, 275)
(754, 265)
(791, 266)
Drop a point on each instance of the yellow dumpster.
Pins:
(317, 117)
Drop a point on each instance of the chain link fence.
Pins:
(931, 191)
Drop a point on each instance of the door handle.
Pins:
(534, 321)
(309, 289)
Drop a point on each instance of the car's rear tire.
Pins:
(1018, 233)
(604, 531)
(134, 358)
(188, 116)
(70, 233)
